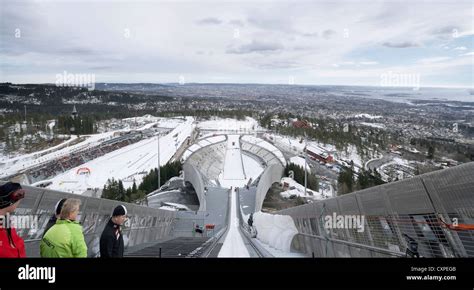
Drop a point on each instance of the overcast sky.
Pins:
(306, 42)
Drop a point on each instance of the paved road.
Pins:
(316, 168)
(374, 164)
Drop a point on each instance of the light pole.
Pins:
(158, 171)
(305, 163)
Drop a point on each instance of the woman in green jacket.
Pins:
(65, 239)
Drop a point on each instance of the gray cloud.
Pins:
(236, 22)
(77, 50)
(328, 33)
(403, 44)
(255, 46)
(57, 36)
(209, 21)
(103, 67)
(284, 64)
(446, 32)
(310, 34)
(265, 22)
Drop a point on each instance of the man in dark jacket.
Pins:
(111, 240)
(54, 218)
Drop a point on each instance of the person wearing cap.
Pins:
(11, 245)
(55, 217)
(65, 239)
(111, 240)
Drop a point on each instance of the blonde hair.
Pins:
(70, 205)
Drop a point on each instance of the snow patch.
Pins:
(277, 231)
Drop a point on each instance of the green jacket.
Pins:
(64, 240)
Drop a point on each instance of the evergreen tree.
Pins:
(431, 151)
(345, 181)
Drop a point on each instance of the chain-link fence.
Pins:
(430, 215)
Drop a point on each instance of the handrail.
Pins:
(221, 233)
(362, 246)
(244, 229)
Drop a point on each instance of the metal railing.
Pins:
(430, 215)
(248, 232)
(145, 224)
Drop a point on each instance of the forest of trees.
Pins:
(150, 181)
(312, 181)
(365, 179)
(207, 114)
(80, 125)
(115, 190)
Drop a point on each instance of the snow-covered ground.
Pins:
(298, 190)
(299, 161)
(10, 166)
(233, 246)
(276, 231)
(129, 163)
(351, 154)
(15, 165)
(368, 116)
(286, 142)
(252, 167)
(9, 161)
(220, 124)
(277, 253)
(233, 173)
(374, 125)
(297, 146)
(174, 206)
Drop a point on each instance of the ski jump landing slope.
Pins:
(129, 163)
(233, 174)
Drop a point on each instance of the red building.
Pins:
(318, 153)
(300, 124)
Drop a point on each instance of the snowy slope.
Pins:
(299, 161)
(12, 166)
(293, 145)
(299, 190)
(249, 124)
(252, 167)
(127, 164)
(233, 246)
(276, 231)
(233, 174)
(30, 156)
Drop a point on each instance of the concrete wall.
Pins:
(272, 174)
(192, 175)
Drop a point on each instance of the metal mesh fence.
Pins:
(431, 215)
(145, 224)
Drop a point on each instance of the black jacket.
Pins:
(51, 222)
(110, 245)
